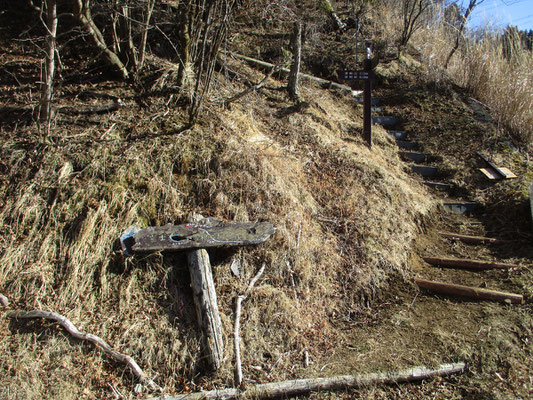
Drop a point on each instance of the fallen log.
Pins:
(300, 387)
(468, 291)
(321, 81)
(467, 264)
(472, 239)
(97, 341)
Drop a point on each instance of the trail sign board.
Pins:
(210, 232)
(350, 75)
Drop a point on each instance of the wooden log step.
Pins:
(374, 101)
(413, 156)
(461, 207)
(472, 239)
(404, 144)
(438, 185)
(400, 135)
(385, 120)
(475, 293)
(467, 264)
(423, 170)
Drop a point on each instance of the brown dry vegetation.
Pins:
(339, 267)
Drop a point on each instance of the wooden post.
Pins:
(205, 301)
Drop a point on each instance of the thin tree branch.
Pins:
(98, 342)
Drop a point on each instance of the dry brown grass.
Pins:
(505, 86)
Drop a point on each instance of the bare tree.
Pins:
(82, 11)
(296, 44)
(471, 5)
(45, 112)
(411, 13)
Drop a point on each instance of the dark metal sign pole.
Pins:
(367, 100)
(365, 75)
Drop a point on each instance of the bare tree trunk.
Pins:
(142, 47)
(326, 5)
(45, 114)
(296, 40)
(471, 6)
(82, 11)
(128, 54)
(184, 35)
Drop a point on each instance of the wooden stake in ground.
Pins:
(300, 387)
(236, 337)
(205, 301)
(468, 291)
(98, 342)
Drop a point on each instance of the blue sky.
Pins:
(503, 13)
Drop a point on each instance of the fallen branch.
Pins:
(467, 264)
(287, 71)
(468, 291)
(104, 346)
(300, 387)
(236, 337)
(252, 88)
(472, 239)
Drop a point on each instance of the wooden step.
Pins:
(467, 264)
(400, 135)
(385, 120)
(374, 101)
(472, 239)
(404, 144)
(438, 185)
(413, 156)
(461, 207)
(423, 170)
(475, 293)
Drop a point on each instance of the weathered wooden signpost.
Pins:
(194, 238)
(366, 75)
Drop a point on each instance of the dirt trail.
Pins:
(411, 327)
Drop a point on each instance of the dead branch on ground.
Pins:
(236, 337)
(300, 387)
(97, 341)
(252, 88)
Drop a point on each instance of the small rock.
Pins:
(508, 301)
(138, 388)
(3, 300)
(236, 267)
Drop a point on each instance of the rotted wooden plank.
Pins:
(207, 234)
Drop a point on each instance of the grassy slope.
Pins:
(347, 218)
